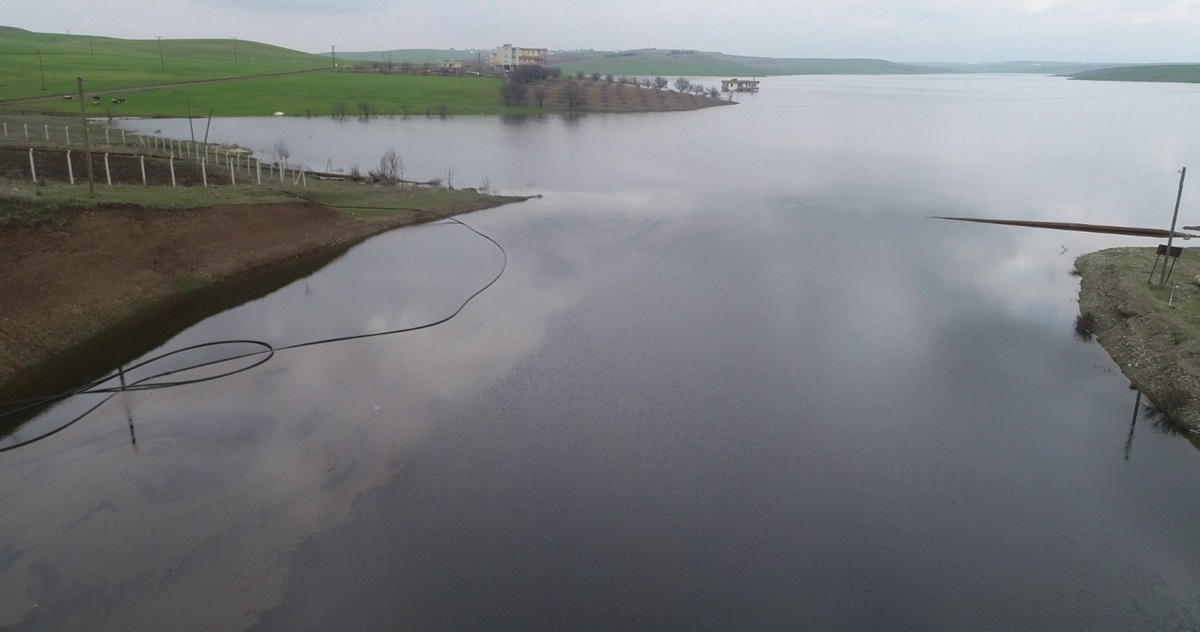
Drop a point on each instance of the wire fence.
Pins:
(46, 152)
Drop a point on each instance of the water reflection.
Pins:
(730, 382)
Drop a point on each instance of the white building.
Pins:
(507, 57)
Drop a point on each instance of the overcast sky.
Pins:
(897, 30)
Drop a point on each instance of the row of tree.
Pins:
(515, 88)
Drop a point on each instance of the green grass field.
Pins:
(112, 64)
(304, 95)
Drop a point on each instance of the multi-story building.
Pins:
(507, 57)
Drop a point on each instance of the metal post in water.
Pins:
(1162, 277)
(107, 171)
(32, 168)
(46, 131)
(204, 170)
(142, 159)
(172, 163)
(67, 132)
(258, 170)
(70, 169)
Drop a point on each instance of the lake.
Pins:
(733, 377)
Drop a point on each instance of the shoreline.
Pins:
(69, 286)
(1149, 332)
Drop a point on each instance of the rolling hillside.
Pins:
(1171, 73)
(109, 64)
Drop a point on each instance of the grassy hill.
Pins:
(668, 63)
(108, 64)
(305, 95)
(1177, 73)
(1021, 67)
(411, 55)
(649, 62)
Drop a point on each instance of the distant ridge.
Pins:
(1167, 73)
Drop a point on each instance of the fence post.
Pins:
(6, 130)
(122, 138)
(67, 131)
(70, 169)
(27, 131)
(106, 141)
(32, 168)
(204, 169)
(142, 159)
(258, 169)
(172, 162)
(46, 129)
(232, 172)
(107, 171)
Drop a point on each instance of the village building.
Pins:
(507, 57)
(739, 85)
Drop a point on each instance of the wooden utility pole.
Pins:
(87, 142)
(42, 67)
(1162, 277)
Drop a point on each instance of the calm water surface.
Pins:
(732, 379)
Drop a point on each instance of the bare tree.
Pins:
(682, 84)
(714, 93)
(609, 78)
(513, 91)
(539, 93)
(660, 82)
(595, 76)
(391, 167)
(281, 153)
(573, 94)
(579, 74)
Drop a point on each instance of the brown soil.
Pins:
(62, 285)
(122, 167)
(1159, 355)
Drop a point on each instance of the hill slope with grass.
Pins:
(108, 63)
(651, 62)
(1167, 73)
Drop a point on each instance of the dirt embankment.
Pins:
(63, 285)
(1156, 346)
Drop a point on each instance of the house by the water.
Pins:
(739, 85)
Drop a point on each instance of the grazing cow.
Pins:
(95, 100)
(68, 97)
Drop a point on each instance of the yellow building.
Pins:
(507, 57)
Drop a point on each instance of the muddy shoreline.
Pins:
(1155, 345)
(65, 286)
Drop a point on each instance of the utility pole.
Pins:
(160, 53)
(235, 57)
(1162, 277)
(87, 142)
(43, 67)
(92, 47)
(333, 49)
